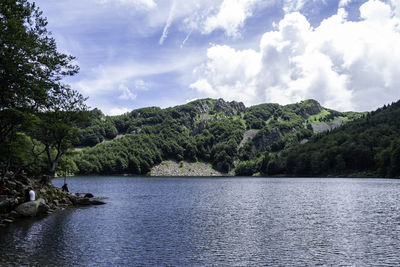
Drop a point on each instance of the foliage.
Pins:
(370, 144)
(152, 135)
(207, 130)
(35, 105)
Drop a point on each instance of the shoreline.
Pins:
(49, 199)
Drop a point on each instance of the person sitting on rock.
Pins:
(3, 189)
(32, 195)
(65, 188)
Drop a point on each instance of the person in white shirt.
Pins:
(32, 195)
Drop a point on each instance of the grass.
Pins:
(321, 115)
(182, 165)
(165, 163)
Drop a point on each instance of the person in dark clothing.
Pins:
(65, 188)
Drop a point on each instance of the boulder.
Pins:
(6, 205)
(14, 214)
(97, 201)
(83, 201)
(88, 195)
(32, 208)
(73, 198)
(66, 201)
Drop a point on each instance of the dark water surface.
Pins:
(216, 221)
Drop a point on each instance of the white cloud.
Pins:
(204, 87)
(127, 94)
(104, 80)
(396, 6)
(346, 65)
(206, 16)
(141, 85)
(191, 100)
(375, 10)
(117, 111)
(293, 5)
(227, 72)
(344, 3)
(141, 4)
(230, 17)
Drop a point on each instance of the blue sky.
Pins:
(138, 53)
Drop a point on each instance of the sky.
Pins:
(139, 53)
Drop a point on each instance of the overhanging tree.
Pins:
(33, 98)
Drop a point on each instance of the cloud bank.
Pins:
(346, 65)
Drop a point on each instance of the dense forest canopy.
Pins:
(370, 144)
(267, 139)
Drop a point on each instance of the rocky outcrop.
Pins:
(50, 198)
(323, 126)
(266, 138)
(203, 106)
(320, 127)
(248, 135)
(80, 199)
(173, 168)
(33, 208)
(229, 108)
(306, 108)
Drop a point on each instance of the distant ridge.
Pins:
(229, 136)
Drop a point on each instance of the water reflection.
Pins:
(223, 221)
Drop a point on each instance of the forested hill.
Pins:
(227, 135)
(367, 146)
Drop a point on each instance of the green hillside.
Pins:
(225, 134)
(369, 146)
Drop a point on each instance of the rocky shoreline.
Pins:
(48, 198)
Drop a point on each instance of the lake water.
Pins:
(216, 222)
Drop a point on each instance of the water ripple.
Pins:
(216, 222)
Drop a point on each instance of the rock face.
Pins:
(323, 127)
(250, 134)
(229, 108)
(32, 208)
(311, 107)
(204, 106)
(267, 137)
(172, 168)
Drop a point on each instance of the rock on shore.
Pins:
(32, 208)
(182, 168)
(49, 198)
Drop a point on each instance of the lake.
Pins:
(216, 222)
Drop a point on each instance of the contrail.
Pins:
(168, 24)
(187, 37)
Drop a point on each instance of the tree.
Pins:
(33, 98)
(395, 159)
(31, 67)
(57, 132)
(264, 163)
